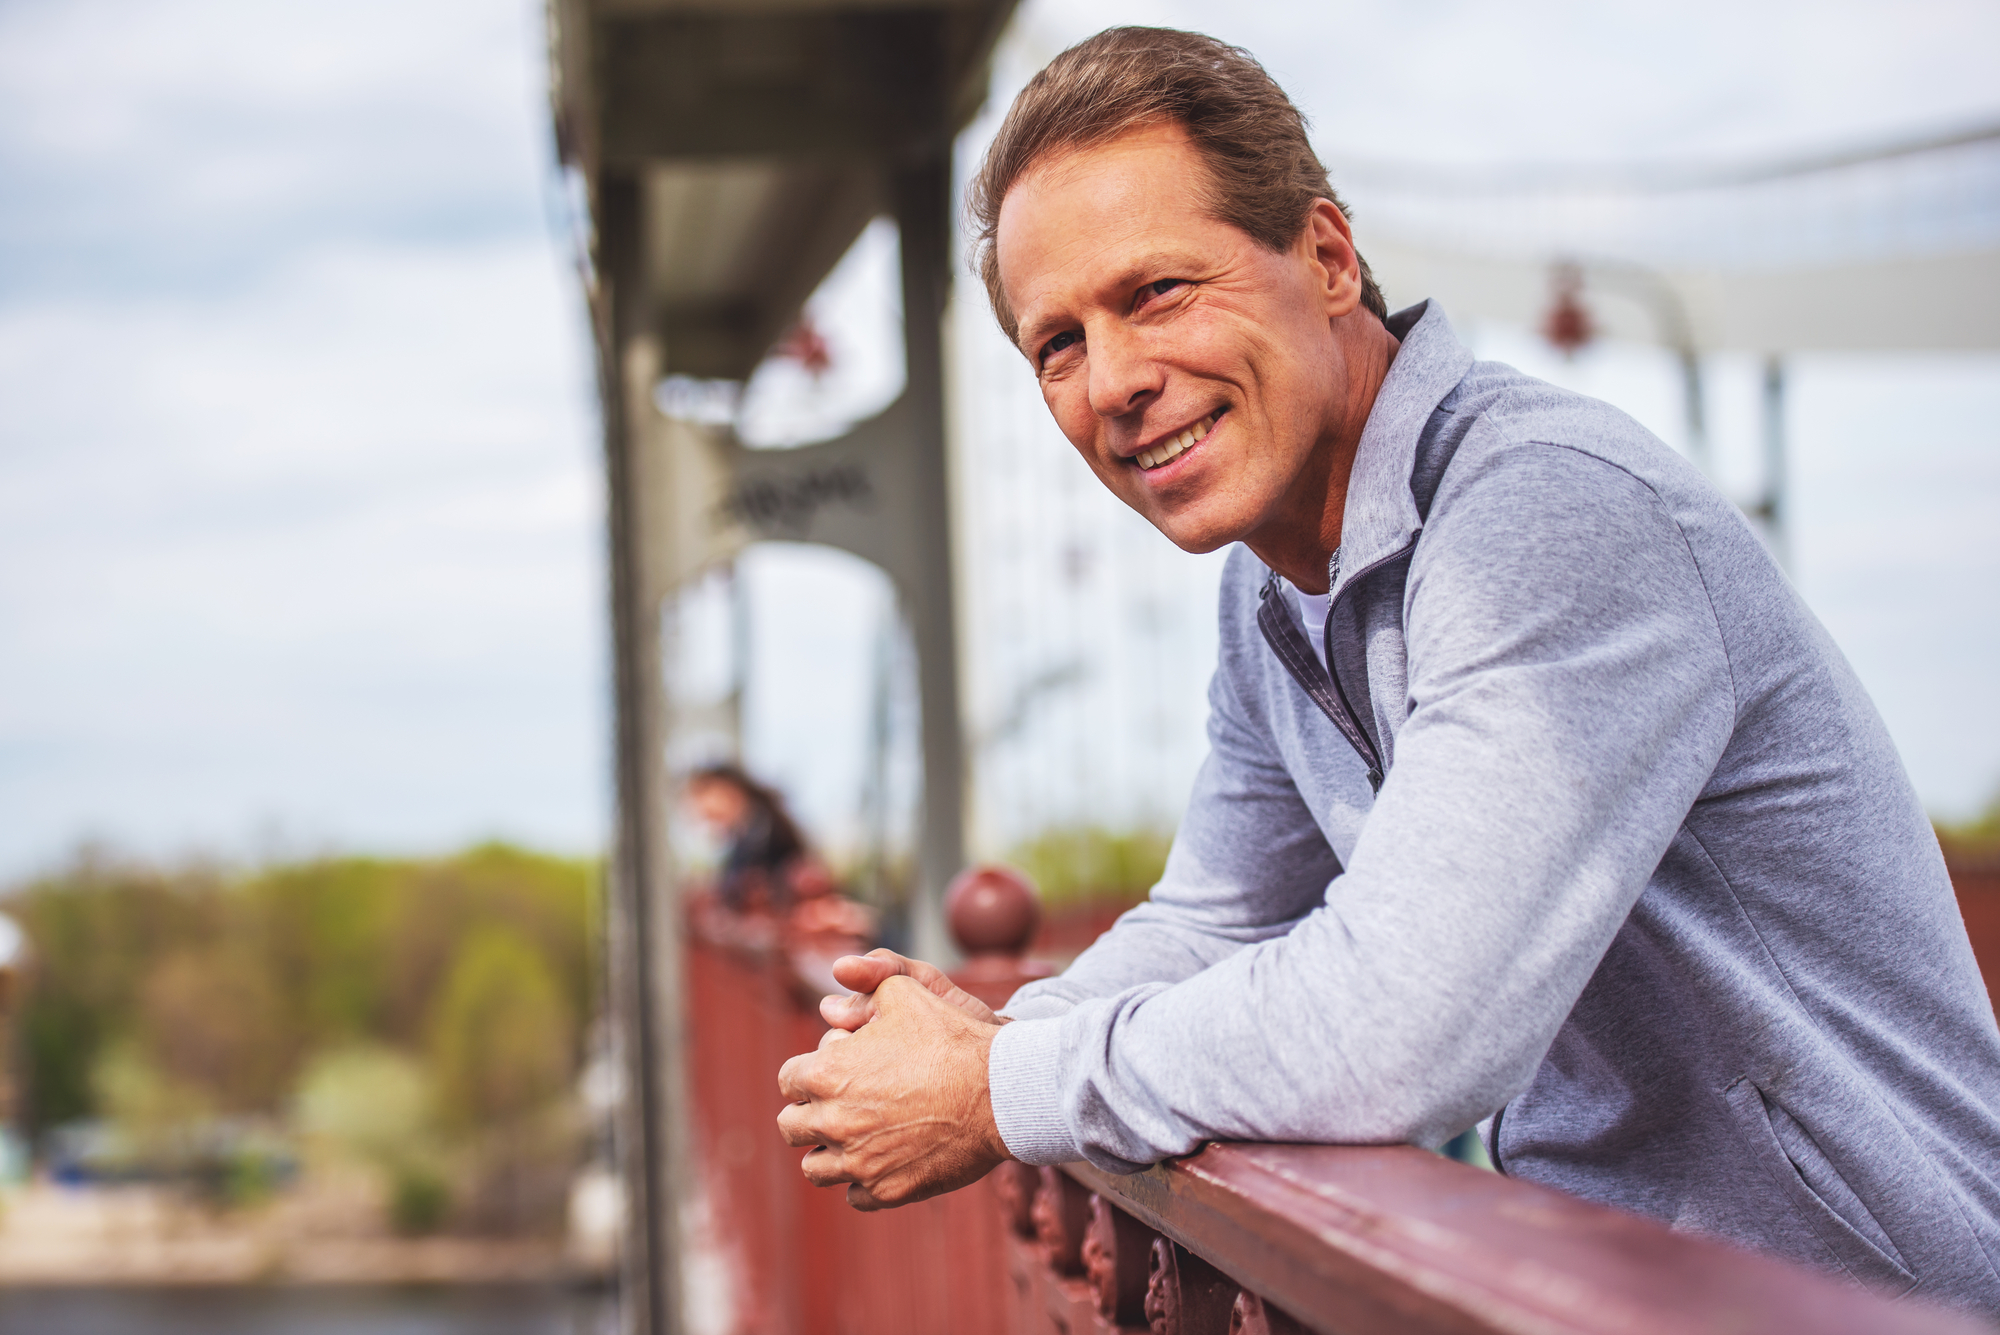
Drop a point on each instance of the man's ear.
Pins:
(1329, 245)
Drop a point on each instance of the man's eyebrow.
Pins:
(1030, 335)
(1147, 268)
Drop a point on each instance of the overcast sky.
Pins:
(298, 495)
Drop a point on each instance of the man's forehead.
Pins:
(1146, 157)
(1100, 213)
(1065, 162)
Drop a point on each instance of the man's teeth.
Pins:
(1172, 446)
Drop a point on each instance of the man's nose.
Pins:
(1123, 375)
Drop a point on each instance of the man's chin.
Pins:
(1194, 534)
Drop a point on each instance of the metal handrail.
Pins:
(1355, 1240)
(1238, 1239)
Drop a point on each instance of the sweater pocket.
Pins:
(1818, 1194)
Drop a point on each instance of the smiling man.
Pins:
(1536, 801)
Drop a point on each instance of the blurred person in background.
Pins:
(768, 868)
(761, 843)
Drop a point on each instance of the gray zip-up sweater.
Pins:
(1592, 828)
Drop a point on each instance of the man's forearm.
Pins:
(1221, 890)
(1152, 943)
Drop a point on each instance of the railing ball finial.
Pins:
(992, 910)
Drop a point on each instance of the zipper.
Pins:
(1281, 632)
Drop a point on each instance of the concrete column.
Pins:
(645, 954)
(921, 194)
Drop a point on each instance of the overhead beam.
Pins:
(1927, 303)
(861, 85)
(719, 322)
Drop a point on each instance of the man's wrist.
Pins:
(993, 1142)
(1024, 1090)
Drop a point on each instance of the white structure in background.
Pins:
(1089, 638)
(1887, 247)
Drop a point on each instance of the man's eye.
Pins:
(1164, 286)
(1067, 338)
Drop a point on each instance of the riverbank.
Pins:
(488, 1309)
(52, 1235)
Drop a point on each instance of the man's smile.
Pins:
(1174, 446)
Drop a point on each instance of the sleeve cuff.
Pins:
(1023, 1079)
(1030, 1003)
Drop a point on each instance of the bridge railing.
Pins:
(1234, 1240)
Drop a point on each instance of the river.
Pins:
(278, 1309)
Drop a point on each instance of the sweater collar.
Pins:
(1381, 516)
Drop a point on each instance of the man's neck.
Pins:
(1299, 541)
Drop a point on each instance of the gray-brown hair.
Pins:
(1264, 173)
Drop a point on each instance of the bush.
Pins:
(211, 1019)
(367, 1102)
(1088, 864)
(501, 1033)
(1975, 840)
(401, 1000)
(419, 1200)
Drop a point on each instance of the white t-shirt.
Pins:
(1312, 617)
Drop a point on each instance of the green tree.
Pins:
(501, 1031)
(213, 1019)
(95, 929)
(1975, 840)
(1088, 864)
(328, 927)
(226, 987)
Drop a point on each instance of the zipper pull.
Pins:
(1375, 780)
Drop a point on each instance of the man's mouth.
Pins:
(1174, 446)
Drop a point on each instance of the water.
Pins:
(479, 1309)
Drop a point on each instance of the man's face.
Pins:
(1157, 331)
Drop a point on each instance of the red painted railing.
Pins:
(1977, 880)
(798, 1261)
(1235, 1240)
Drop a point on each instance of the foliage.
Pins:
(1088, 864)
(155, 1125)
(94, 931)
(157, 995)
(146, 1104)
(367, 1102)
(1975, 840)
(419, 1201)
(500, 1033)
(211, 1018)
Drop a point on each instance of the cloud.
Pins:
(299, 509)
(193, 144)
